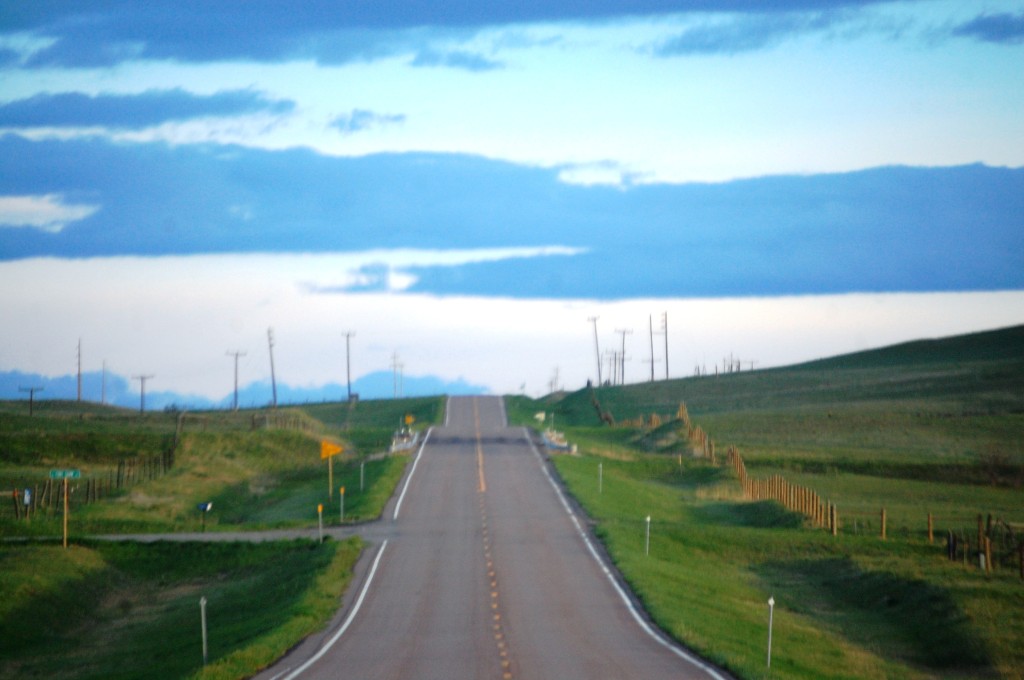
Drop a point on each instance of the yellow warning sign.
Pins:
(328, 449)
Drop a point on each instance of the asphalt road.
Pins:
(482, 572)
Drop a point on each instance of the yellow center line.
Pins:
(479, 449)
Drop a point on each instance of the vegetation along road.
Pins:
(875, 498)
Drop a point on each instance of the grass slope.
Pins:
(125, 610)
(935, 426)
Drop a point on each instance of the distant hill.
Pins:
(120, 392)
(1002, 344)
(978, 373)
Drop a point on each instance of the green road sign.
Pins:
(65, 474)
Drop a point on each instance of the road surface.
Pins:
(484, 573)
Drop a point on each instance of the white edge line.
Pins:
(405, 487)
(660, 639)
(348, 621)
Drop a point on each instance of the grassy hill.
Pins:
(148, 472)
(924, 429)
(981, 373)
(130, 609)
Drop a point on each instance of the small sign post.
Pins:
(65, 475)
(203, 509)
(329, 450)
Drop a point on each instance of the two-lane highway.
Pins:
(486, 574)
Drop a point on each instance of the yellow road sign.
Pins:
(328, 449)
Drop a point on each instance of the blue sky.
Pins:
(511, 169)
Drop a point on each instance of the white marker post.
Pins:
(202, 615)
(647, 541)
(771, 615)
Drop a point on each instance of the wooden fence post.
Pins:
(988, 555)
(883, 524)
(931, 529)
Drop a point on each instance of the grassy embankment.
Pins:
(131, 610)
(928, 427)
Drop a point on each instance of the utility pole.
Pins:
(142, 380)
(236, 354)
(79, 370)
(664, 330)
(31, 396)
(395, 367)
(597, 350)
(348, 362)
(613, 365)
(273, 378)
(650, 324)
(622, 357)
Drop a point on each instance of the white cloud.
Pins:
(179, 315)
(47, 212)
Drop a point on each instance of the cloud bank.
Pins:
(887, 229)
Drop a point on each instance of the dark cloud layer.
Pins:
(888, 229)
(106, 32)
(132, 111)
(994, 28)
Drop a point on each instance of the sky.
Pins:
(465, 189)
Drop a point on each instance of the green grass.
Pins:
(935, 426)
(123, 610)
(256, 478)
(850, 606)
(111, 610)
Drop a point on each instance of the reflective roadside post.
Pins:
(771, 613)
(342, 494)
(647, 540)
(320, 520)
(202, 615)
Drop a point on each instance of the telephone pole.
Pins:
(142, 380)
(597, 350)
(622, 357)
(236, 354)
(348, 362)
(664, 331)
(396, 368)
(273, 378)
(650, 324)
(79, 370)
(31, 396)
